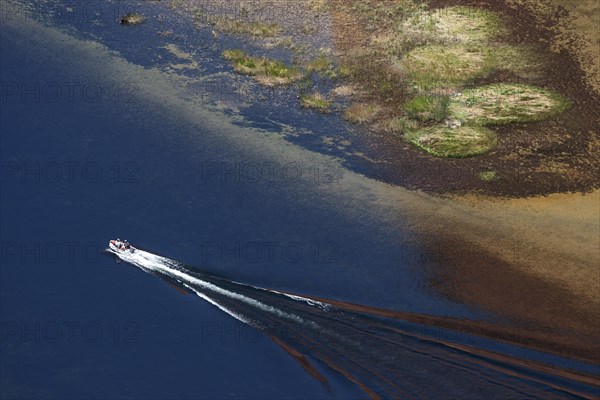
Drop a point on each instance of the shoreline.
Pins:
(536, 156)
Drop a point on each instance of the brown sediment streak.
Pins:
(313, 372)
(351, 378)
(529, 364)
(463, 326)
(301, 359)
(328, 362)
(493, 356)
(392, 385)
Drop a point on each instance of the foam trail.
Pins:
(370, 349)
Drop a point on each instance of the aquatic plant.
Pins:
(268, 72)
(315, 100)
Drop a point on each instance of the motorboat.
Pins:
(121, 246)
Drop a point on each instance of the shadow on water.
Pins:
(387, 354)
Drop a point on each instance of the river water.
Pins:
(103, 137)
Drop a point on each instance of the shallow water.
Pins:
(140, 154)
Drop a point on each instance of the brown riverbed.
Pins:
(533, 261)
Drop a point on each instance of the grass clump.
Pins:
(268, 72)
(505, 103)
(345, 71)
(400, 125)
(442, 141)
(320, 64)
(324, 66)
(315, 100)
(132, 19)
(361, 113)
(234, 55)
(488, 176)
(426, 108)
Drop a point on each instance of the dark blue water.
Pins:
(80, 169)
(84, 326)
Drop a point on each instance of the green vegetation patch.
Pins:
(442, 141)
(428, 108)
(315, 100)
(450, 25)
(266, 71)
(450, 46)
(505, 103)
(488, 176)
(440, 66)
(237, 26)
